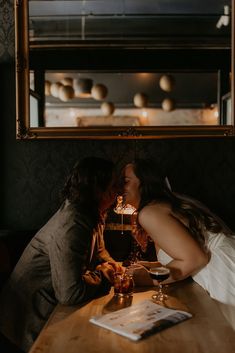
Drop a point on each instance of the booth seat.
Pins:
(12, 244)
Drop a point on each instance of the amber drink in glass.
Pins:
(123, 284)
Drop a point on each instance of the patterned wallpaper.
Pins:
(32, 172)
(7, 29)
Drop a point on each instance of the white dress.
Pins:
(218, 276)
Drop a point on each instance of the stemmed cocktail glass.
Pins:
(160, 274)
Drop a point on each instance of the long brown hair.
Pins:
(88, 178)
(154, 188)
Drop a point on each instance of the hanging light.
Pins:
(168, 104)
(67, 81)
(122, 208)
(167, 83)
(140, 100)
(55, 89)
(66, 93)
(99, 91)
(107, 108)
(82, 87)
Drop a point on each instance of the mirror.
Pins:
(151, 71)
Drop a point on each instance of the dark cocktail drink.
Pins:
(160, 274)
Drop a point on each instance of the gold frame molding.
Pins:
(25, 132)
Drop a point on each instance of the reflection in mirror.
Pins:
(126, 99)
(149, 69)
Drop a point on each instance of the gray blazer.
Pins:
(54, 268)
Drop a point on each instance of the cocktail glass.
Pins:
(159, 274)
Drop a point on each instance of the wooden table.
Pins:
(69, 329)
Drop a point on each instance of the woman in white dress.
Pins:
(190, 240)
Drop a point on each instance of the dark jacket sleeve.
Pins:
(102, 253)
(69, 256)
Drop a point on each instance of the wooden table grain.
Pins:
(69, 330)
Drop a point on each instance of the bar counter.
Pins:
(69, 331)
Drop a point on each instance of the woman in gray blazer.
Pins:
(66, 261)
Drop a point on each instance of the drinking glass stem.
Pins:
(160, 292)
(159, 295)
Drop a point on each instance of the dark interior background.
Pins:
(32, 172)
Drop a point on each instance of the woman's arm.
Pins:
(173, 237)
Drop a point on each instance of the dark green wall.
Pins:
(32, 172)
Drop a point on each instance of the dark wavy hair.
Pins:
(154, 188)
(88, 179)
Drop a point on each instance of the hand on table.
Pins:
(117, 266)
(109, 268)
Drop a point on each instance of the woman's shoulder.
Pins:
(161, 207)
(156, 210)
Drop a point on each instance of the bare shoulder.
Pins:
(154, 211)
